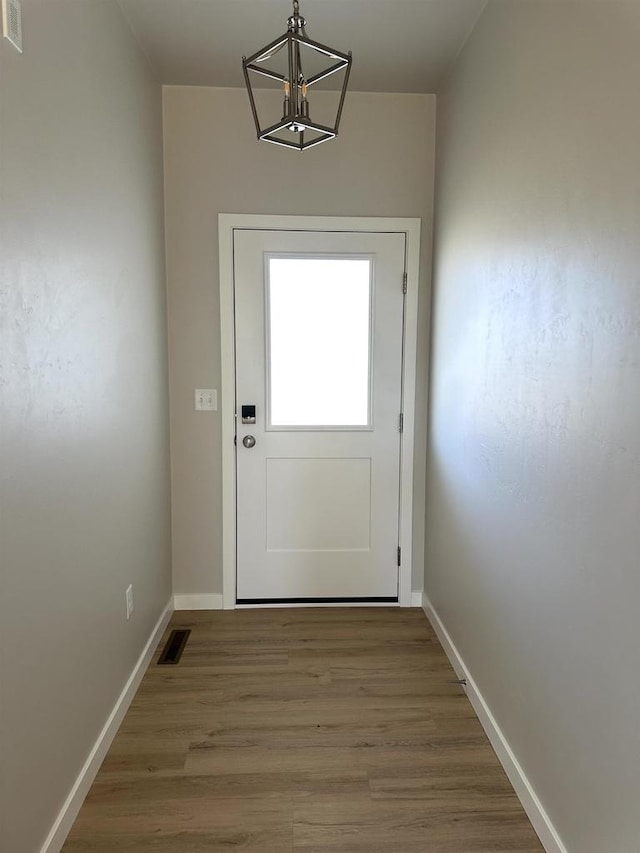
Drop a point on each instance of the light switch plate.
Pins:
(12, 22)
(206, 400)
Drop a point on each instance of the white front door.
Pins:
(319, 347)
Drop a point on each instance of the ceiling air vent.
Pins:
(12, 22)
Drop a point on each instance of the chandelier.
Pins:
(294, 63)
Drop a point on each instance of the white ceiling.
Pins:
(397, 45)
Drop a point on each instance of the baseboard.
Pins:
(416, 598)
(80, 789)
(533, 807)
(203, 601)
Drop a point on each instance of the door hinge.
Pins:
(404, 282)
(401, 423)
(399, 555)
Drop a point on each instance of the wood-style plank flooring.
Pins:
(311, 730)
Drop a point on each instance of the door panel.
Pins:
(319, 320)
(306, 511)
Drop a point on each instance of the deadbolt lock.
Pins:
(249, 414)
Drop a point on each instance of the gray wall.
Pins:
(84, 472)
(382, 165)
(534, 452)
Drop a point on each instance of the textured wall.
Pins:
(382, 165)
(534, 455)
(84, 472)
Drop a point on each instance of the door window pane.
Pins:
(319, 341)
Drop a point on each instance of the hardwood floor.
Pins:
(310, 730)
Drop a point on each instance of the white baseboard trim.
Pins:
(550, 839)
(204, 601)
(80, 789)
(416, 598)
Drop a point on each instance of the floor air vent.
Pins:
(174, 647)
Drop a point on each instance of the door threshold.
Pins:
(361, 599)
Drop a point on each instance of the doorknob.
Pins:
(249, 441)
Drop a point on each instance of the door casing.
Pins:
(228, 223)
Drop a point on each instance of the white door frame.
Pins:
(227, 224)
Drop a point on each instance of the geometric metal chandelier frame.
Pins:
(305, 133)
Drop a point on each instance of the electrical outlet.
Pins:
(129, 597)
(206, 400)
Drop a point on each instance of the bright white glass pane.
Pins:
(319, 327)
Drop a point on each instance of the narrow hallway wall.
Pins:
(84, 476)
(534, 453)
